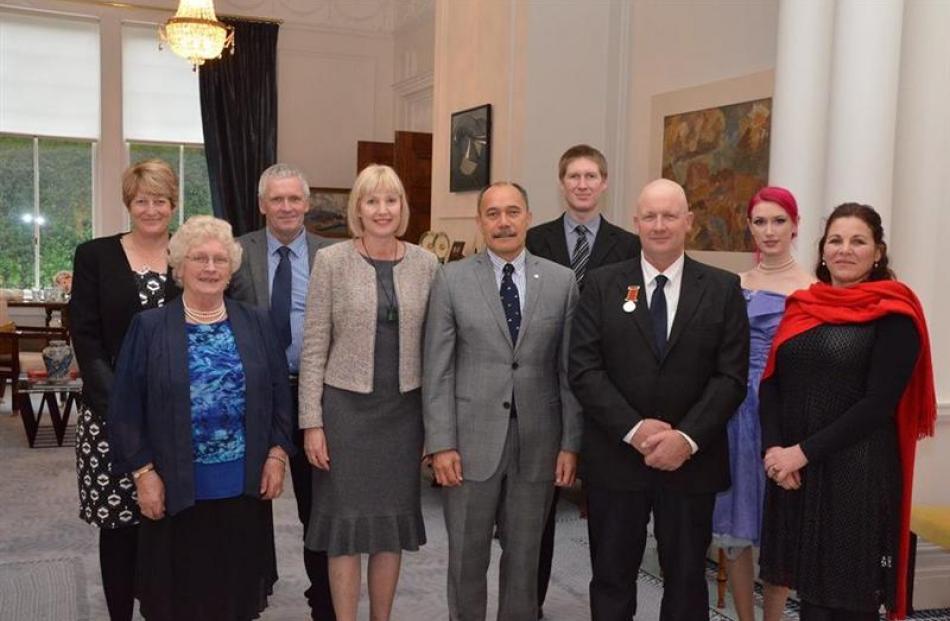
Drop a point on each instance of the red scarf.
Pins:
(917, 410)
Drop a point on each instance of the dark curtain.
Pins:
(239, 117)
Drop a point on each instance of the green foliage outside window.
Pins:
(65, 209)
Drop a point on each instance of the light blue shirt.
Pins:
(571, 232)
(300, 278)
(518, 276)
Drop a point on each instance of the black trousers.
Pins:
(318, 595)
(117, 552)
(814, 612)
(682, 524)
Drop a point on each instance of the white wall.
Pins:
(683, 43)
(333, 90)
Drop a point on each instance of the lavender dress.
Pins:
(737, 518)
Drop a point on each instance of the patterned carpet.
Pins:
(49, 560)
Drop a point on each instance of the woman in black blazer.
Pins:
(113, 279)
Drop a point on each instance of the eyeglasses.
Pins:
(203, 259)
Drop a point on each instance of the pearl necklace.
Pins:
(774, 269)
(205, 317)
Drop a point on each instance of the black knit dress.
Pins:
(834, 392)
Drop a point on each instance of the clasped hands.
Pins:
(662, 447)
(783, 465)
(447, 467)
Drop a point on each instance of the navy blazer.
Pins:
(150, 411)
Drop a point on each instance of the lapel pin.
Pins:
(630, 302)
(536, 276)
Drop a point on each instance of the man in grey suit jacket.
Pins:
(501, 422)
(283, 198)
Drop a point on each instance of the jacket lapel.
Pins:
(485, 274)
(602, 244)
(257, 262)
(691, 292)
(557, 243)
(177, 348)
(641, 314)
(534, 283)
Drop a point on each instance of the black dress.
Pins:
(106, 499)
(834, 392)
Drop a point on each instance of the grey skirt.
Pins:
(369, 502)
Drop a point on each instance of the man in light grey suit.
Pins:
(274, 274)
(501, 423)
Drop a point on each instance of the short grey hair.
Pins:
(281, 171)
(510, 184)
(199, 229)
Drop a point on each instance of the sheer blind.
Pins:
(160, 100)
(49, 75)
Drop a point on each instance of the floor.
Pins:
(39, 524)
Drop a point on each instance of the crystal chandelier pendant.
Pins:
(195, 32)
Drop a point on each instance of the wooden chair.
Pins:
(20, 349)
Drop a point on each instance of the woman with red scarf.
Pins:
(847, 392)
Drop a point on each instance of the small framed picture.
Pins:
(326, 216)
(458, 251)
(470, 162)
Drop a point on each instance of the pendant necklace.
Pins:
(392, 311)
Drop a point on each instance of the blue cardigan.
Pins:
(149, 416)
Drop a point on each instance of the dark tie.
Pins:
(511, 301)
(581, 253)
(280, 297)
(658, 313)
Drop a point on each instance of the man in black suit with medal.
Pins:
(659, 359)
(581, 239)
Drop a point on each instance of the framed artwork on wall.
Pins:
(327, 213)
(470, 161)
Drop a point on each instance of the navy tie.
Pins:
(658, 313)
(280, 298)
(511, 301)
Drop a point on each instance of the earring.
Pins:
(876, 265)
(823, 264)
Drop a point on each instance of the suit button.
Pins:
(514, 365)
(506, 405)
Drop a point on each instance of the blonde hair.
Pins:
(375, 178)
(152, 177)
(199, 229)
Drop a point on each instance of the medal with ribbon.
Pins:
(630, 302)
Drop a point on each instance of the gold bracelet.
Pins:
(278, 458)
(146, 468)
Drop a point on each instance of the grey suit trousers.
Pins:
(519, 508)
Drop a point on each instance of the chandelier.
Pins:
(195, 32)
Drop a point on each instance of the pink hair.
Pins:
(774, 194)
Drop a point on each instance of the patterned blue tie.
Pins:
(510, 301)
(280, 298)
(658, 313)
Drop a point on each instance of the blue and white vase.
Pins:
(57, 356)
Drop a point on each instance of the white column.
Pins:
(863, 105)
(800, 113)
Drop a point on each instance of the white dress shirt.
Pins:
(674, 275)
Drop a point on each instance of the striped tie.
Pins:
(581, 253)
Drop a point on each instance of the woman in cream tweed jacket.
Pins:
(360, 394)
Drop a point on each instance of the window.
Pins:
(47, 143)
(162, 116)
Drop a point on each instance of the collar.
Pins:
(672, 272)
(298, 246)
(570, 223)
(498, 263)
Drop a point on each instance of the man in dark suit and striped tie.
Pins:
(582, 239)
